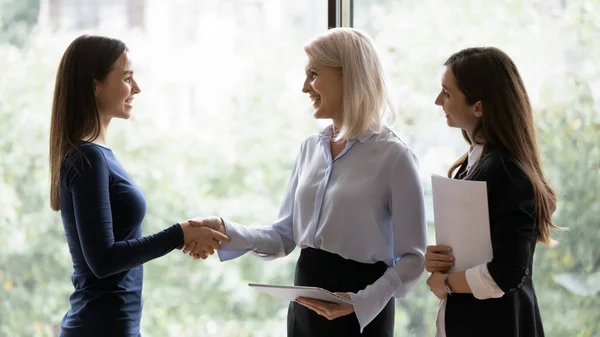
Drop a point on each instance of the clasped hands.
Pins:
(201, 237)
(438, 261)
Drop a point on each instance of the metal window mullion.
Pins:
(347, 13)
(340, 13)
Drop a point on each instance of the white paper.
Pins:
(460, 210)
(291, 293)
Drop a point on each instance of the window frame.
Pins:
(340, 13)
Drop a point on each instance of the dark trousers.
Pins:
(318, 268)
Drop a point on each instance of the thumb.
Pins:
(213, 222)
(220, 236)
(444, 248)
(197, 223)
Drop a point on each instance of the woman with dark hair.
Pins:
(102, 208)
(483, 94)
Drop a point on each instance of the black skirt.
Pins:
(318, 268)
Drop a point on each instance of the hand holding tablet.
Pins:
(291, 293)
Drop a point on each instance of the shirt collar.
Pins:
(366, 136)
(474, 155)
(327, 133)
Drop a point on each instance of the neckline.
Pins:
(99, 145)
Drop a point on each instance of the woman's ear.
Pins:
(96, 88)
(478, 109)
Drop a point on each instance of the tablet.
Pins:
(290, 293)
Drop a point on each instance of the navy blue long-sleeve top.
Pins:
(102, 209)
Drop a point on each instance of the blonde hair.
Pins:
(366, 105)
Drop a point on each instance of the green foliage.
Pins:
(17, 19)
(219, 134)
(570, 134)
(554, 46)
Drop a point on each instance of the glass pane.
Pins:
(215, 131)
(555, 46)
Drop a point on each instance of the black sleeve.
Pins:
(89, 186)
(512, 221)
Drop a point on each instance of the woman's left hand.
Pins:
(327, 309)
(436, 285)
(439, 258)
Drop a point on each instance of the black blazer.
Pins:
(514, 229)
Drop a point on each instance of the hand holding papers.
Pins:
(291, 293)
(462, 222)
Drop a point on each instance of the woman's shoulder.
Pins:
(389, 141)
(500, 162)
(502, 168)
(86, 156)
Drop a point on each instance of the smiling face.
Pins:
(324, 86)
(114, 95)
(459, 114)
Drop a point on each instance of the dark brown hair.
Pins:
(74, 109)
(490, 76)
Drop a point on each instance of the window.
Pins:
(220, 120)
(553, 44)
(215, 130)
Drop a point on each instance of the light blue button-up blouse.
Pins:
(365, 205)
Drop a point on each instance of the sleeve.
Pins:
(88, 181)
(513, 225)
(267, 242)
(410, 235)
(481, 283)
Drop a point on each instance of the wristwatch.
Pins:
(447, 285)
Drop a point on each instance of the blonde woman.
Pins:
(354, 203)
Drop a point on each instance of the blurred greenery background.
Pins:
(219, 122)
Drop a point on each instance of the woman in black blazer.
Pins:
(483, 94)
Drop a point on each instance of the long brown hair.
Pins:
(74, 109)
(490, 76)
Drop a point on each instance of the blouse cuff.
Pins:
(369, 302)
(481, 283)
(241, 241)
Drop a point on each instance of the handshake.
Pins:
(201, 237)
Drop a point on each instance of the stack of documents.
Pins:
(460, 209)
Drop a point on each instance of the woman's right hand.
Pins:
(439, 259)
(201, 239)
